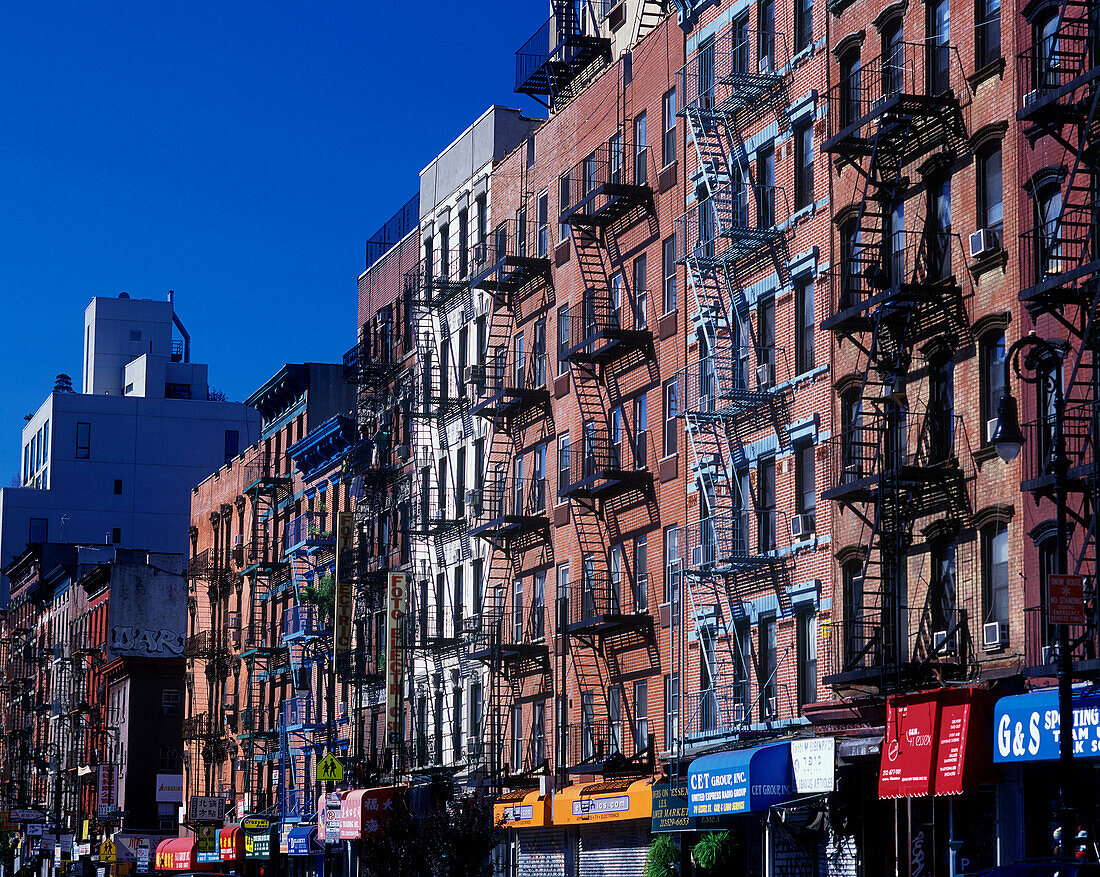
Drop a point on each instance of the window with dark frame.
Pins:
(641, 715)
(766, 681)
(987, 33)
(804, 165)
(672, 426)
(83, 441)
(543, 219)
(641, 574)
(765, 504)
(803, 24)
(807, 657)
(995, 596)
(991, 348)
(563, 205)
(804, 320)
(805, 485)
(668, 137)
(991, 190)
(668, 272)
(641, 151)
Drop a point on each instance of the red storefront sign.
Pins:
(937, 743)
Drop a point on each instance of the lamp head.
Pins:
(1007, 438)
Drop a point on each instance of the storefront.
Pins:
(1025, 747)
(612, 825)
(935, 765)
(538, 847)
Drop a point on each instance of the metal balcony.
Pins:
(1051, 72)
(436, 288)
(733, 383)
(603, 333)
(432, 628)
(508, 508)
(258, 722)
(729, 543)
(296, 714)
(607, 185)
(507, 391)
(374, 361)
(301, 624)
(904, 103)
(205, 645)
(601, 608)
(516, 640)
(436, 512)
(514, 256)
(720, 711)
(556, 55)
(741, 227)
(1041, 655)
(263, 559)
(1056, 255)
(602, 469)
(1080, 427)
(306, 534)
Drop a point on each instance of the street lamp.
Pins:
(1007, 440)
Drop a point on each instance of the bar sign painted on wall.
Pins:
(345, 541)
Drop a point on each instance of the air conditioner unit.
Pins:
(472, 375)
(242, 763)
(235, 638)
(403, 453)
(229, 701)
(474, 500)
(238, 541)
(764, 375)
(994, 636)
(765, 64)
(234, 622)
(1050, 654)
(473, 747)
(943, 645)
(990, 426)
(697, 555)
(802, 526)
(773, 707)
(982, 241)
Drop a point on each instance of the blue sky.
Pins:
(239, 153)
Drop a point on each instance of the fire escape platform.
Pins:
(905, 125)
(607, 203)
(510, 402)
(511, 273)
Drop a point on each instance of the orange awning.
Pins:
(529, 811)
(604, 802)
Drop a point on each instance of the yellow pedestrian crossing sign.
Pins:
(107, 852)
(330, 768)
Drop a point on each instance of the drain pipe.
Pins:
(179, 325)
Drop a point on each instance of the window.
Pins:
(804, 165)
(39, 530)
(563, 593)
(941, 409)
(804, 318)
(668, 138)
(765, 504)
(459, 600)
(766, 681)
(672, 564)
(615, 563)
(893, 58)
(177, 391)
(166, 815)
(640, 152)
(807, 658)
(1045, 40)
(563, 205)
(463, 243)
(232, 444)
(445, 251)
(803, 24)
(641, 432)
(765, 186)
(672, 710)
(615, 718)
(668, 272)
(765, 336)
(517, 611)
(538, 731)
(987, 33)
(83, 441)
(765, 11)
(588, 718)
(456, 727)
(615, 156)
(854, 634)
(477, 574)
(708, 698)
(995, 606)
(641, 715)
(135, 334)
(990, 191)
(517, 739)
(168, 760)
(563, 338)
(804, 485)
(942, 596)
(440, 602)
(939, 47)
(118, 487)
(538, 605)
(849, 87)
(437, 722)
(1048, 566)
(992, 354)
(475, 709)
(641, 574)
(672, 427)
(1048, 205)
(116, 535)
(563, 462)
(641, 292)
(543, 219)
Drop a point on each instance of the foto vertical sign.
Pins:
(397, 594)
(345, 542)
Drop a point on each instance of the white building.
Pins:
(116, 462)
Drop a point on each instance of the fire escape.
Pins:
(508, 507)
(609, 467)
(555, 63)
(378, 466)
(268, 573)
(1059, 89)
(739, 385)
(894, 290)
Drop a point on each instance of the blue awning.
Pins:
(1025, 726)
(302, 841)
(742, 781)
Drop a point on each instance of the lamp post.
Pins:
(1007, 440)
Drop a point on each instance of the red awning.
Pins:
(937, 743)
(178, 854)
(364, 812)
(231, 843)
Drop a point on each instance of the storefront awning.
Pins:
(741, 781)
(1025, 726)
(522, 810)
(365, 812)
(302, 841)
(178, 854)
(231, 843)
(603, 802)
(937, 743)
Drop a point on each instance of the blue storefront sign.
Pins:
(303, 841)
(742, 781)
(1026, 727)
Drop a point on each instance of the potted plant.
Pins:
(712, 851)
(662, 858)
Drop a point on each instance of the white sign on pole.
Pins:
(814, 760)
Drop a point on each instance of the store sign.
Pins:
(1065, 599)
(106, 789)
(206, 844)
(206, 808)
(670, 811)
(26, 816)
(257, 837)
(396, 603)
(740, 781)
(170, 788)
(345, 543)
(814, 762)
(1026, 727)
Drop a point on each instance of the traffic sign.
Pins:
(108, 852)
(330, 769)
(1066, 598)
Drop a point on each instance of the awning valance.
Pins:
(365, 812)
(741, 781)
(603, 802)
(529, 811)
(178, 854)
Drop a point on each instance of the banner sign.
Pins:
(345, 543)
(396, 602)
(1026, 727)
(814, 762)
(106, 789)
(670, 811)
